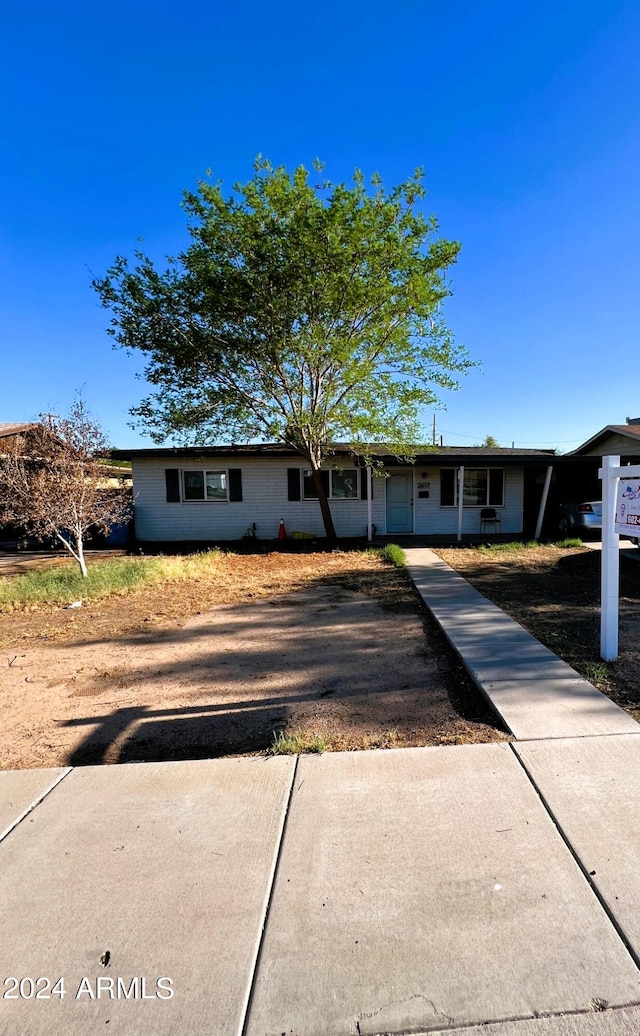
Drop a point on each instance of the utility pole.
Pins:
(433, 439)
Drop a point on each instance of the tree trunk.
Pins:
(81, 561)
(77, 554)
(327, 517)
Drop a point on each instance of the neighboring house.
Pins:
(218, 493)
(614, 440)
(7, 431)
(576, 473)
(115, 478)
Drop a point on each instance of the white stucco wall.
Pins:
(265, 492)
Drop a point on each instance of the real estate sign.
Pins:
(627, 520)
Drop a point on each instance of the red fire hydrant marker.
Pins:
(282, 532)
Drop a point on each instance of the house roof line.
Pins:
(632, 431)
(14, 428)
(423, 454)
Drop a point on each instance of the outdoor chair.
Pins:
(490, 520)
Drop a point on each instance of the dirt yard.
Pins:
(555, 594)
(336, 644)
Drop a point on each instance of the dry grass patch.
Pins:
(172, 589)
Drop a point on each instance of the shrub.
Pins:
(394, 555)
(297, 742)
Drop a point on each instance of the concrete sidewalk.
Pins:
(477, 890)
(535, 693)
(414, 890)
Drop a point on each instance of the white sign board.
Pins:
(627, 520)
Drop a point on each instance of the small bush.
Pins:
(297, 743)
(394, 555)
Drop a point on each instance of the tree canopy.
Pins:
(301, 313)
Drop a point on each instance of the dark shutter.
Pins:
(496, 487)
(293, 477)
(364, 482)
(447, 487)
(172, 478)
(235, 485)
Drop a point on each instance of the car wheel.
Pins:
(564, 525)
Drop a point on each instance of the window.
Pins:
(475, 487)
(338, 484)
(344, 485)
(482, 486)
(308, 487)
(205, 485)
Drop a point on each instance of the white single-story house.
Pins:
(219, 493)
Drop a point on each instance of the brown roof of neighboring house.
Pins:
(14, 428)
(631, 430)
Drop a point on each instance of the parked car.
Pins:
(584, 517)
(579, 517)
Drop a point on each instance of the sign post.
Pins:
(610, 567)
(620, 514)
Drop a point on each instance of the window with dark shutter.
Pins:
(235, 485)
(293, 478)
(172, 478)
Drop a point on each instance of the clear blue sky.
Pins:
(525, 116)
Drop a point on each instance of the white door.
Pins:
(400, 503)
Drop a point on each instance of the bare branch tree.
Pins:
(52, 483)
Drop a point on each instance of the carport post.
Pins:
(369, 488)
(610, 568)
(460, 500)
(543, 502)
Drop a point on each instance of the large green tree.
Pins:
(299, 312)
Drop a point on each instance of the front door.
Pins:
(400, 503)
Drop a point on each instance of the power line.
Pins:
(523, 442)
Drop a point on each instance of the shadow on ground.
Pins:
(361, 670)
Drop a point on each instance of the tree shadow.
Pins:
(373, 665)
(142, 734)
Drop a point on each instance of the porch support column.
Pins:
(369, 488)
(543, 502)
(460, 500)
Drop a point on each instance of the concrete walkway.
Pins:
(535, 693)
(477, 890)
